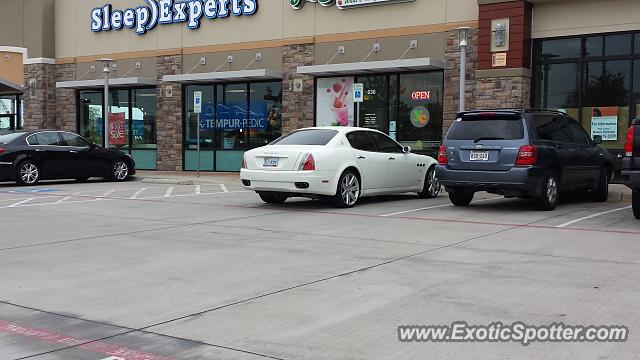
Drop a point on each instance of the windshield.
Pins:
(486, 128)
(307, 137)
(7, 138)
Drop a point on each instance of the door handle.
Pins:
(73, 151)
(361, 157)
(38, 150)
(392, 158)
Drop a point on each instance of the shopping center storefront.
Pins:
(265, 68)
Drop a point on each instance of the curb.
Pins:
(167, 181)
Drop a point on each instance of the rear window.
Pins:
(7, 138)
(307, 137)
(508, 127)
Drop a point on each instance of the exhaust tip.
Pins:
(246, 182)
(302, 185)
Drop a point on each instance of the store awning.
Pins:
(224, 76)
(115, 83)
(9, 88)
(365, 67)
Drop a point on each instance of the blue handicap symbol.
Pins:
(29, 191)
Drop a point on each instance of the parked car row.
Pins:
(30, 156)
(515, 153)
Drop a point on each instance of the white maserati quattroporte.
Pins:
(342, 164)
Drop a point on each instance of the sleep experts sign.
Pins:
(345, 4)
(160, 12)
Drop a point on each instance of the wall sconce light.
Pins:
(33, 86)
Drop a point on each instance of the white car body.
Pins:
(379, 172)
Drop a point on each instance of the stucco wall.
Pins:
(28, 24)
(275, 20)
(574, 17)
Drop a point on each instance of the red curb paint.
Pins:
(78, 343)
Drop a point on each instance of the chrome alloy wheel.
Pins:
(120, 170)
(552, 190)
(350, 189)
(433, 183)
(29, 173)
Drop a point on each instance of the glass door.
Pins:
(10, 112)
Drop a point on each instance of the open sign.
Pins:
(421, 95)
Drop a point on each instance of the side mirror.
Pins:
(597, 139)
(406, 149)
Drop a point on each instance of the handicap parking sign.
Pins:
(358, 92)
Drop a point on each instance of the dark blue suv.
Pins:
(522, 153)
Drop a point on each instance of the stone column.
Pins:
(65, 99)
(452, 76)
(169, 115)
(503, 89)
(40, 110)
(297, 104)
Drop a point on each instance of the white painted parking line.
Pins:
(224, 188)
(168, 192)
(63, 199)
(198, 189)
(20, 202)
(436, 206)
(592, 216)
(137, 193)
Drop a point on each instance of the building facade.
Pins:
(266, 67)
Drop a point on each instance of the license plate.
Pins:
(479, 156)
(270, 162)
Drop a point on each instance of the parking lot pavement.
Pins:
(136, 270)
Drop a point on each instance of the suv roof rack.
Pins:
(515, 110)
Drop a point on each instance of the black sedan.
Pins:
(30, 156)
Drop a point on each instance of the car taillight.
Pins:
(2, 150)
(244, 162)
(628, 144)
(442, 155)
(308, 163)
(527, 156)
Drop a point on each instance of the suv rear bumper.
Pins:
(525, 180)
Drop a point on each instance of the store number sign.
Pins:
(146, 17)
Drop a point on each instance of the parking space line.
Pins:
(63, 199)
(435, 207)
(168, 192)
(198, 189)
(137, 193)
(20, 202)
(592, 216)
(224, 188)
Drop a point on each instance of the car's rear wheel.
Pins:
(119, 171)
(348, 191)
(431, 185)
(461, 197)
(272, 198)
(28, 173)
(550, 192)
(635, 202)
(601, 193)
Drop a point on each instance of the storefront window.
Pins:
(125, 104)
(90, 115)
(420, 111)
(11, 112)
(374, 108)
(235, 118)
(604, 100)
(143, 111)
(334, 101)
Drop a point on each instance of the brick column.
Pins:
(452, 76)
(65, 99)
(169, 115)
(505, 86)
(297, 106)
(40, 110)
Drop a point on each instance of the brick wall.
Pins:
(297, 106)
(66, 117)
(169, 115)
